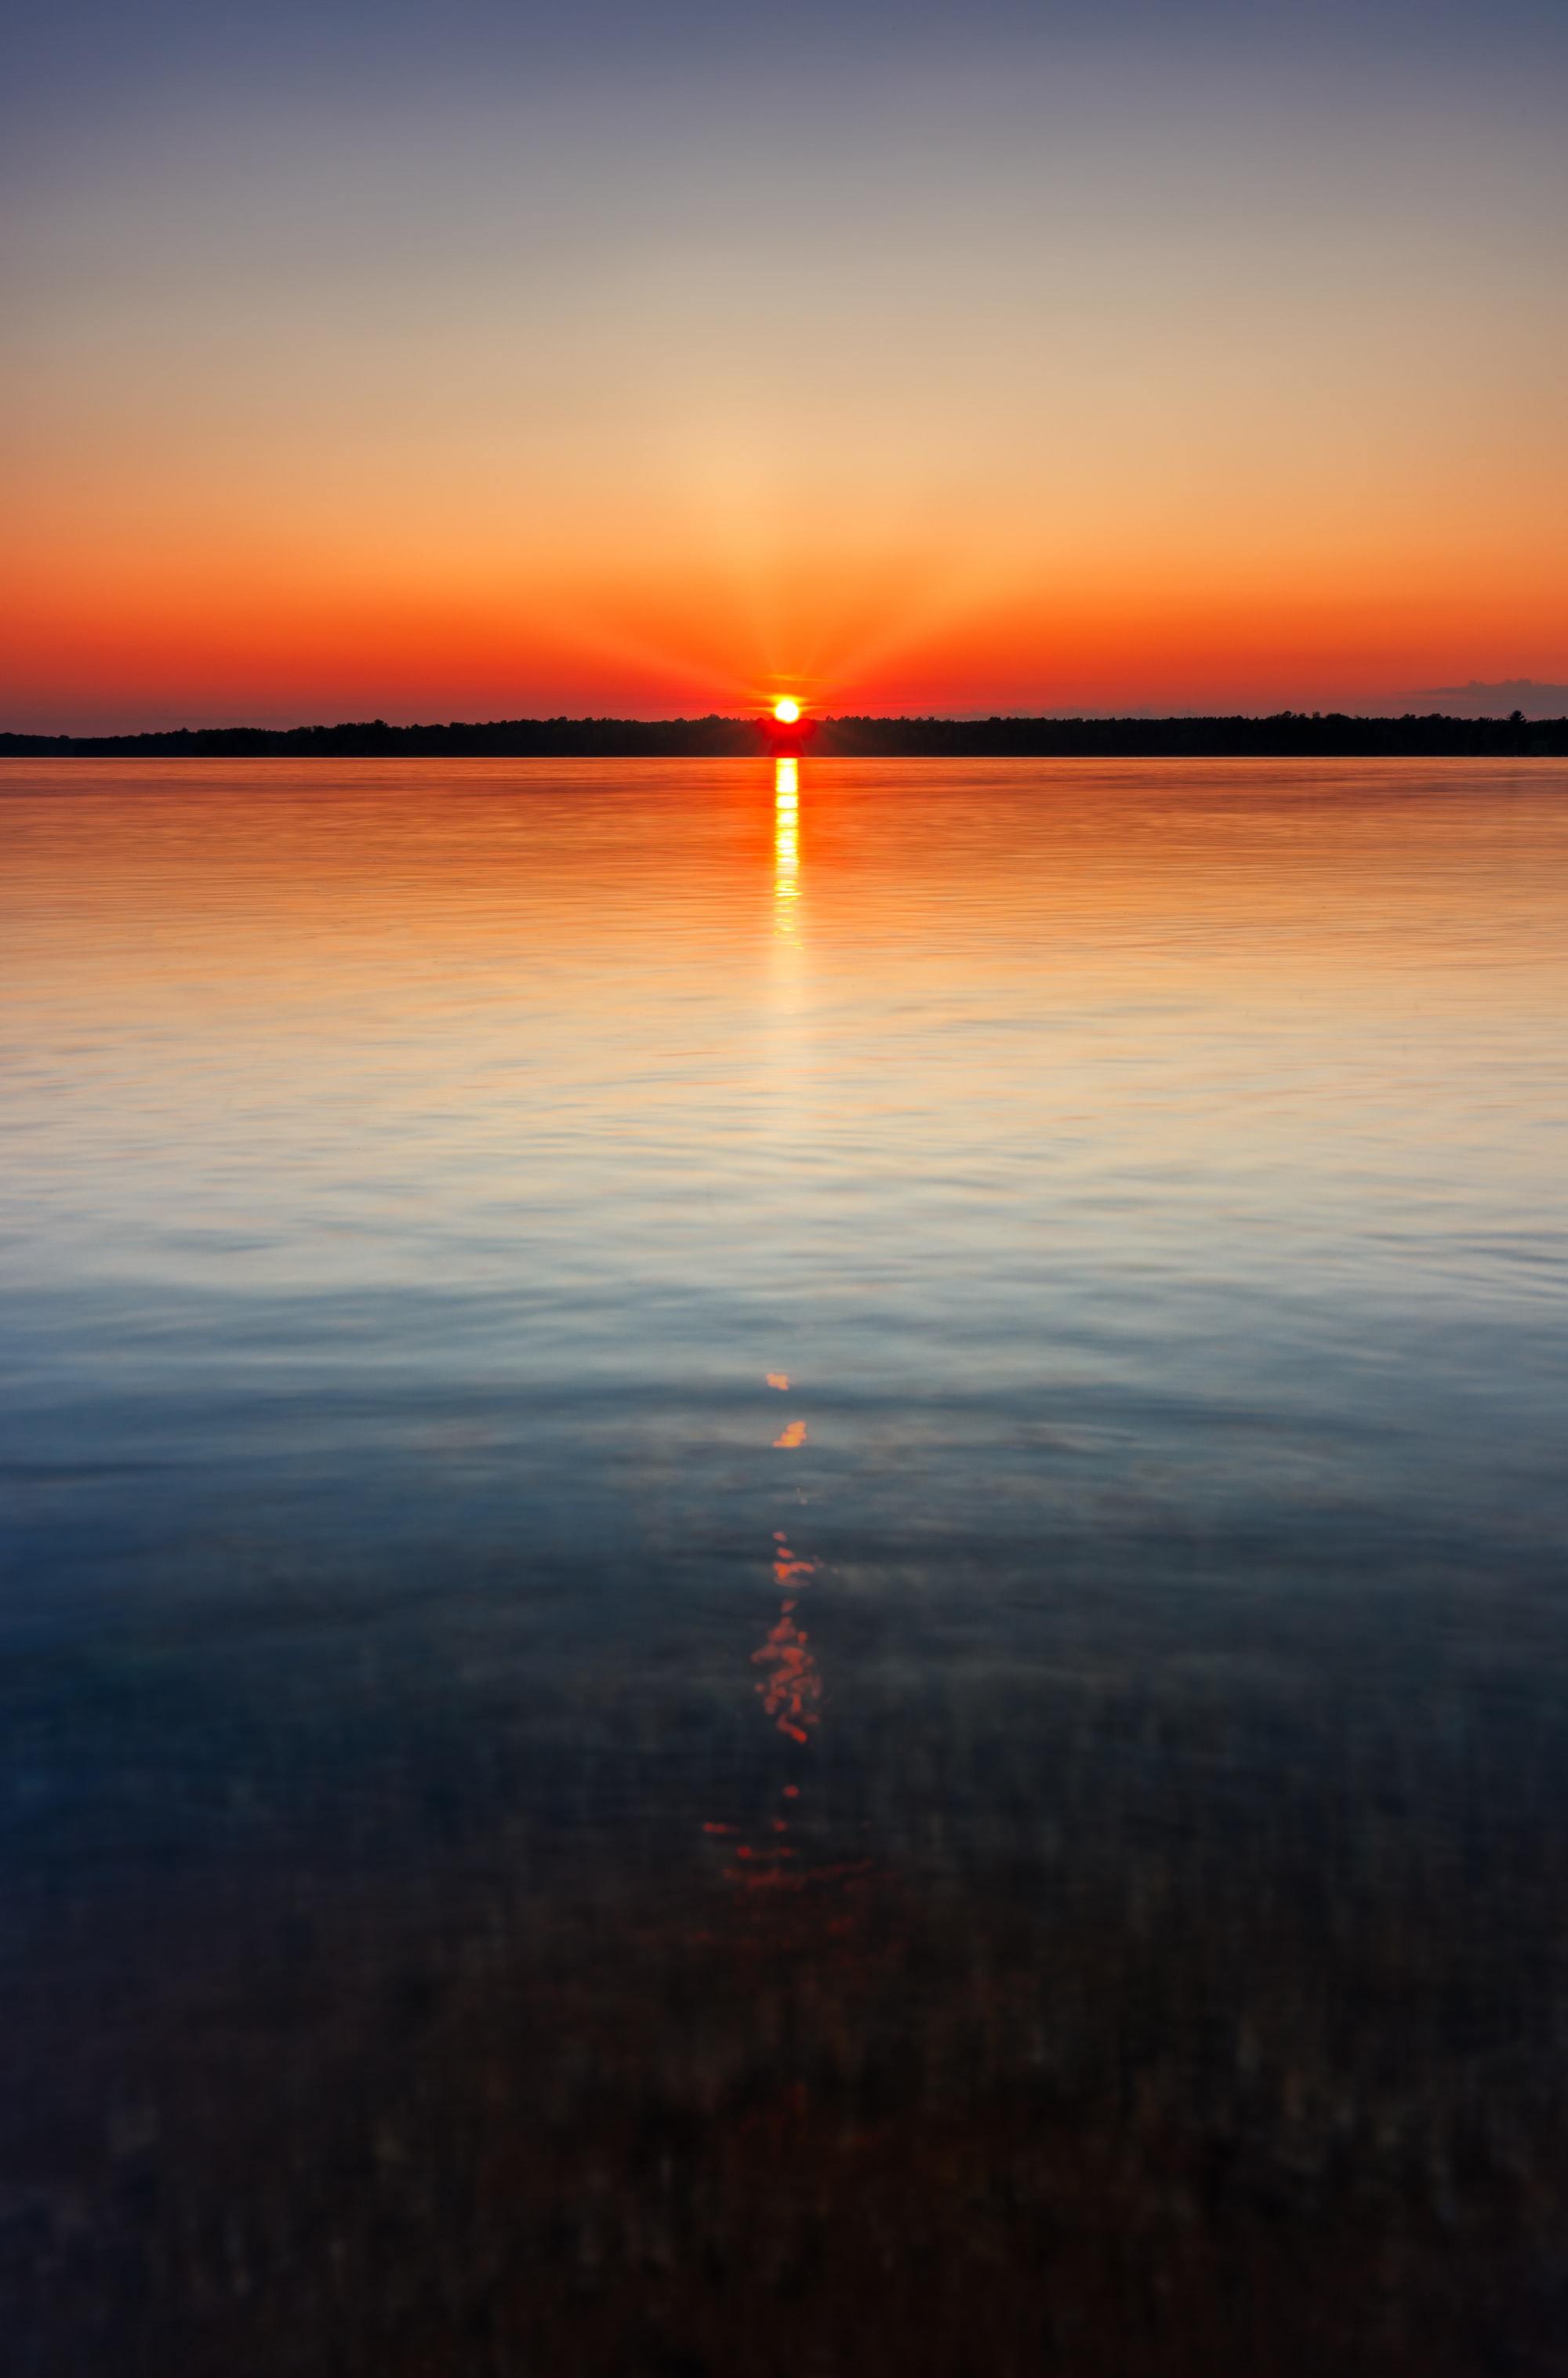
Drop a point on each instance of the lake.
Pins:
(784, 1568)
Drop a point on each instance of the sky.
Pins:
(478, 361)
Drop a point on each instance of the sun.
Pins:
(786, 711)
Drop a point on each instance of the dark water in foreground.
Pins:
(1038, 1844)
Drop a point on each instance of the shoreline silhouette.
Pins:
(1283, 734)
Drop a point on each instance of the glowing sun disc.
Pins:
(787, 712)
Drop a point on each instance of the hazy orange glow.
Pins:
(99, 625)
(1173, 399)
(100, 629)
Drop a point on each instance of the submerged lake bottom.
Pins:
(783, 1568)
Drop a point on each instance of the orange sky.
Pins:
(1110, 393)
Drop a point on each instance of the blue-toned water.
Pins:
(784, 1568)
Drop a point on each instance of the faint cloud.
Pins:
(1536, 699)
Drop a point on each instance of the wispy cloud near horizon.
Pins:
(1537, 698)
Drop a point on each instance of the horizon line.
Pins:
(763, 725)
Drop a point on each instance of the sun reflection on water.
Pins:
(787, 843)
(790, 1690)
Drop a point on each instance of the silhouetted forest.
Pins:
(1289, 734)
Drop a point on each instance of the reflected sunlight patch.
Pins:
(792, 1692)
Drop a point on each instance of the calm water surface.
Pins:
(784, 1568)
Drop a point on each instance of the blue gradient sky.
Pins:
(495, 360)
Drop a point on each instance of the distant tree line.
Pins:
(1289, 734)
(506, 739)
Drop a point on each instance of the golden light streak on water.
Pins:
(786, 845)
